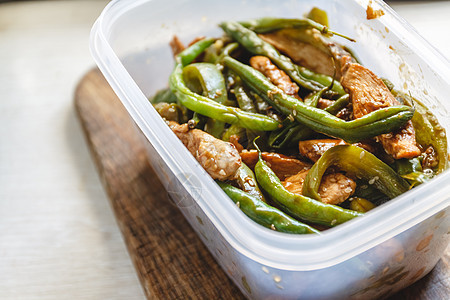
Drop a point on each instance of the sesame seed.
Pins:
(361, 155)
(372, 180)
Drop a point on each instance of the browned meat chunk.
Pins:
(275, 75)
(401, 143)
(369, 93)
(220, 159)
(176, 45)
(234, 139)
(309, 49)
(335, 188)
(324, 103)
(283, 166)
(314, 149)
(300, 52)
(345, 114)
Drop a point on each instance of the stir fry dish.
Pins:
(294, 129)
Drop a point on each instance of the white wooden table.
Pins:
(58, 236)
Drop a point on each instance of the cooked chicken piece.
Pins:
(234, 139)
(275, 75)
(324, 103)
(283, 166)
(401, 143)
(309, 49)
(220, 159)
(334, 188)
(176, 45)
(314, 149)
(369, 93)
(345, 114)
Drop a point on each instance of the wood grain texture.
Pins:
(170, 259)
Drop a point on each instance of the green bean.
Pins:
(170, 111)
(339, 104)
(368, 191)
(430, 132)
(269, 24)
(226, 51)
(411, 170)
(288, 135)
(388, 84)
(234, 129)
(264, 214)
(318, 15)
(212, 53)
(361, 204)
(405, 166)
(206, 106)
(163, 96)
(205, 78)
(359, 163)
(188, 55)
(247, 182)
(197, 121)
(245, 103)
(254, 44)
(299, 206)
(313, 98)
(375, 123)
(417, 178)
(292, 132)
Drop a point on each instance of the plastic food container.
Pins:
(369, 257)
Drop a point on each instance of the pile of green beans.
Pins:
(213, 86)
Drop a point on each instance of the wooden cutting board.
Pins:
(171, 261)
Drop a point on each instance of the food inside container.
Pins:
(297, 132)
(376, 252)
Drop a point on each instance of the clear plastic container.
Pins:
(369, 257)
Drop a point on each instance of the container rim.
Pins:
(269, 248)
